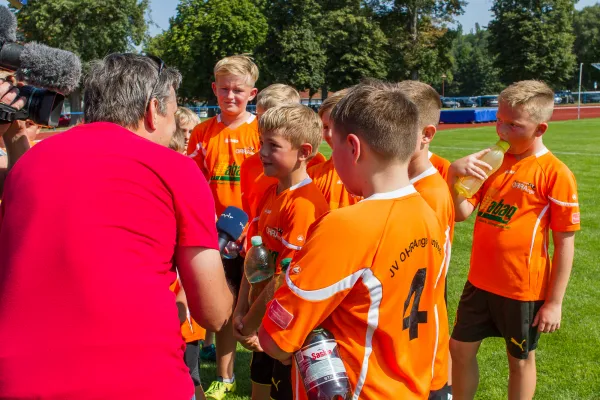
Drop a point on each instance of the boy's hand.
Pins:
(249, 342)
(548, 318)
(471, 165)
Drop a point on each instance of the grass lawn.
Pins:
(568, 360)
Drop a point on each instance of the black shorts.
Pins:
(234, 272)
(192, 352)
(265, 370)
(482, 314)
(444, 393)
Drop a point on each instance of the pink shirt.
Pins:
(89, 223)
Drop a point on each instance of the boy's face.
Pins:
(233, 93)
(516, 126)
(345, 157)
(327, 127)
(187, 129)
(278, 156)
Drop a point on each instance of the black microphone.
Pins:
(230, 225)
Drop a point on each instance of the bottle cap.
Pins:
(256, 240)
(503, 145)
(285, 263)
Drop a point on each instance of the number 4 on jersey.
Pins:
(416, 317)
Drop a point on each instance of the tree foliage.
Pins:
(586, 27)
(533, 39)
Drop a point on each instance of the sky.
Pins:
(476, 11)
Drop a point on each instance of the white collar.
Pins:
(249, 120)
(541, 152)
(428, 172)
(298, 185)
(395, 194)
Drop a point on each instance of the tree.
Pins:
(91, 29)
(533, 39)
(586, 26)
(293, 52)
(474, 72)
(420, 41)
(354, 44)
(203, 32)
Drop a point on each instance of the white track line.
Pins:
(473, 149)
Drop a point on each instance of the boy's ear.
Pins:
(305, 151)
(355, 145)
(214, 87)
(541, 129)
(427, 134)
(253, 94)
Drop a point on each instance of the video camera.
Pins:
(51, 74)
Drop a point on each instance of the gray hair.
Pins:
(119, 88)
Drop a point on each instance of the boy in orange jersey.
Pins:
(514, 289)
(192, 334)
(433, 188)
(290, 136)
(367, 273)
(219, 146)
(254, 182)
(324, 175)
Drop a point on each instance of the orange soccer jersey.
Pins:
(219, 152)
(518, 205)
(370, 281)
(255, 183)
(434, 190)
(440, 163)
(285, 217)
(328, 181)
(190, 330)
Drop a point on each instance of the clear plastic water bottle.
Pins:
(257, 269)
(321, 367)
(467, 186)
(232, 250)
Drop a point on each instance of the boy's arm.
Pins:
(470, 165)
(548, 317)
(247, 339)
(181, 303)
(251, 322)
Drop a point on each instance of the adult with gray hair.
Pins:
(92, 222)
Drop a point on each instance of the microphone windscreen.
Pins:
(232, 222)
(49, 68)
(8, 26)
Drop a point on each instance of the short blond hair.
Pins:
(426, 99)
(277, 94)
(297, 123)
(534, 96)
(382, 116)
(331, 101)
(238, 65)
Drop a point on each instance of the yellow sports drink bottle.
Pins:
(467, 186)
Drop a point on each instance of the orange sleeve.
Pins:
(245, 185)
(564, 203)
(195, 150)
(311, 293)
(476, 199)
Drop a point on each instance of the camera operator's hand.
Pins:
(9, 94)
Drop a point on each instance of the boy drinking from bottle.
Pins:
(514, 289)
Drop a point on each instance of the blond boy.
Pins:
(219, 146)
(185, 120)
(290, 137)
(514, 289)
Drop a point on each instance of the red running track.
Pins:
(560, 114)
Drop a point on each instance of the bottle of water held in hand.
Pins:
(232, 250)
(321, 367)
(467, 186)
(257, 268)
(285, 264)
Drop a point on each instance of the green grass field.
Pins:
(568, 360)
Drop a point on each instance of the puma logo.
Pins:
(519, 345)
(275, 384)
